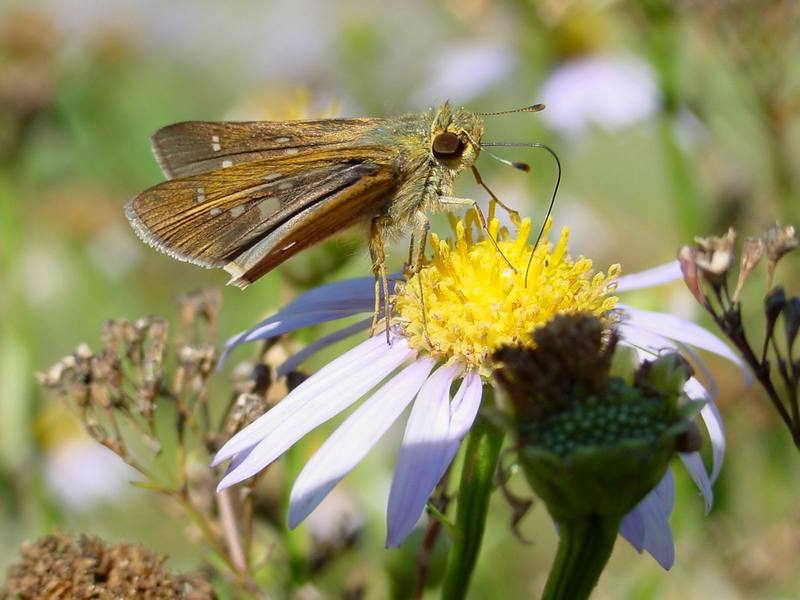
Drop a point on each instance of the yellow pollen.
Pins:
(475, 303)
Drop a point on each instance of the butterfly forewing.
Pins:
(366, 189)
(212, 218)
(194, 147)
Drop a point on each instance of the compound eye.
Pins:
(447, 145)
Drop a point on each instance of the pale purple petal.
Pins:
(632, 529)
(655, 510)
(279, 324)
(665, 492)
(349, 293)
(679, 330)
(348, 445)
(651, 277)
(463, 410)
(423, 452)
(321, 304)
(642, 522)
(335, 387)
(291, 363)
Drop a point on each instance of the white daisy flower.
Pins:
(474, 303)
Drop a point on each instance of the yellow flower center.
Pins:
(474, 302)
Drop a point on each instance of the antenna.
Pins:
(555, 187)
(531, 108)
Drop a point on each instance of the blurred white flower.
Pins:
(113, 251)
(45, 272)
(81, 473)
(610, 92)
(463, 72)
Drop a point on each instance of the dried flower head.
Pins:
(779, 241)
(715, 256)
(55, 567)
(710, 261)
(752, 252)
(578, 356)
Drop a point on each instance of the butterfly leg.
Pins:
(511, 212)
(450, 201)
(416, 254)
(378, 254)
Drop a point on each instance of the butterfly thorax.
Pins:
(435, 147)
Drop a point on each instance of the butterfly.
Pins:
(246, 196)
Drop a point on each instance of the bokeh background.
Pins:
(672, 119)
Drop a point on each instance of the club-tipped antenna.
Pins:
(511, 163)
(552, 197)
(531, 108)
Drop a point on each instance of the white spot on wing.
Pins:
(285, 248)
(215, 145)
(291, 151)
(282, 140)
(201, 195)
(227, 163)
(215, 211)
(268, 207)
(285, 186)
(237, 211)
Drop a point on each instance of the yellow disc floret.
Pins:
(474, 302)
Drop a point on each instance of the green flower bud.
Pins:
(593, 437)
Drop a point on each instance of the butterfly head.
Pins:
(455, 135)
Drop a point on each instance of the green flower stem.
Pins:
(477, 483)
(583, 551)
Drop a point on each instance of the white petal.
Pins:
(679, 330)
(319, 407)
(323, 395)
(708, 382)
(349, 444)
(463, 410)
(421, 460)
(238, 459)
(651, 277)
(649, 344)
(291, 363)
(697, 471)
(713, 422)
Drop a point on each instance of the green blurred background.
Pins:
(672, 119)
